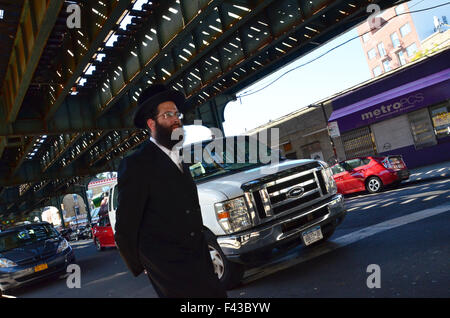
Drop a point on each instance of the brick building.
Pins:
(393, 44)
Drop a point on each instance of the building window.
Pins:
(395, 40)
(377, 71)
(386, 66)
(405, 30)
(411, 50)
(372, 54)
(381, 49)
(366, 37)
(440, 115)
(401, 58)
(400, 9)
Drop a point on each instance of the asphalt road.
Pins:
(396, 241)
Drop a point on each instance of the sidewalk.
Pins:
(436, 171)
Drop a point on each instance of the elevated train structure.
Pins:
(71, 73)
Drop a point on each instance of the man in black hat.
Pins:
(159, 227)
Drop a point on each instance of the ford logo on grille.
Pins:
(295, 192)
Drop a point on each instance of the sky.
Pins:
(339, 70)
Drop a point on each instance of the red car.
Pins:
(102, 234)
(369, 173)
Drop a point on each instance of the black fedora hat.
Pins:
(149, 100)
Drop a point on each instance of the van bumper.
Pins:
(256, 245)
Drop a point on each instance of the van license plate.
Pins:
(40, 267)
(312, 235)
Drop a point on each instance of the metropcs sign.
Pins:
(403, 105)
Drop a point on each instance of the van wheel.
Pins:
(229, 273)
(374, 185)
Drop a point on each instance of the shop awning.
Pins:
(402, 99)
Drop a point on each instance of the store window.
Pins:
(440, 115)
(422, 129)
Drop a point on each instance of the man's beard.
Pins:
(163, 135)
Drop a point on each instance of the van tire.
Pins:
(229, 273)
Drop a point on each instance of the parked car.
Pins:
(84, 232)
(102, 234)
(69, 234)
(31, 252)
(370, 173)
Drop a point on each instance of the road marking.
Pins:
(430, 198)
(343, 241)
(388, 204)
(370, 206)
(352, 209)
(408, 201)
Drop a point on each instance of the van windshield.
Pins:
(25, 236)
(214, 158)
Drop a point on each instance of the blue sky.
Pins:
(333, 73)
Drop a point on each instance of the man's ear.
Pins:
(151, 125)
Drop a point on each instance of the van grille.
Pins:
(288, 193)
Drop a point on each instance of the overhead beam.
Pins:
(35, 25)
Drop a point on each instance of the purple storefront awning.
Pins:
(402, 99)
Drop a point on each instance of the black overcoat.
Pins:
(159, 226)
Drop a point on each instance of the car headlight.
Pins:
(63, 246)
(329, 180)
(233, 215)
(4, 262)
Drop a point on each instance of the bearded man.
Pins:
(159, 227)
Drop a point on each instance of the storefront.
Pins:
(411, 119)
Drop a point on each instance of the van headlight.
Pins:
(4, 262)
(327, 174)
(233, 215)
(62, 246)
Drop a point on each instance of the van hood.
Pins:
(230, 185)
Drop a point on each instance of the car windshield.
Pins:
(25, 236)
(215, 158)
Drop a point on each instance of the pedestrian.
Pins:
(159, 227)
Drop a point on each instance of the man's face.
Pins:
(162, 126)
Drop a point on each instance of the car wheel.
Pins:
(229, 273)
(374, 185)
(98, 246)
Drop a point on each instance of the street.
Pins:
(395, 241)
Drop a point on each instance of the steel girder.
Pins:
(36, 22)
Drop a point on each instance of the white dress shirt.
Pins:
(173, 154)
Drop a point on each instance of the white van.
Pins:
(252, 212)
